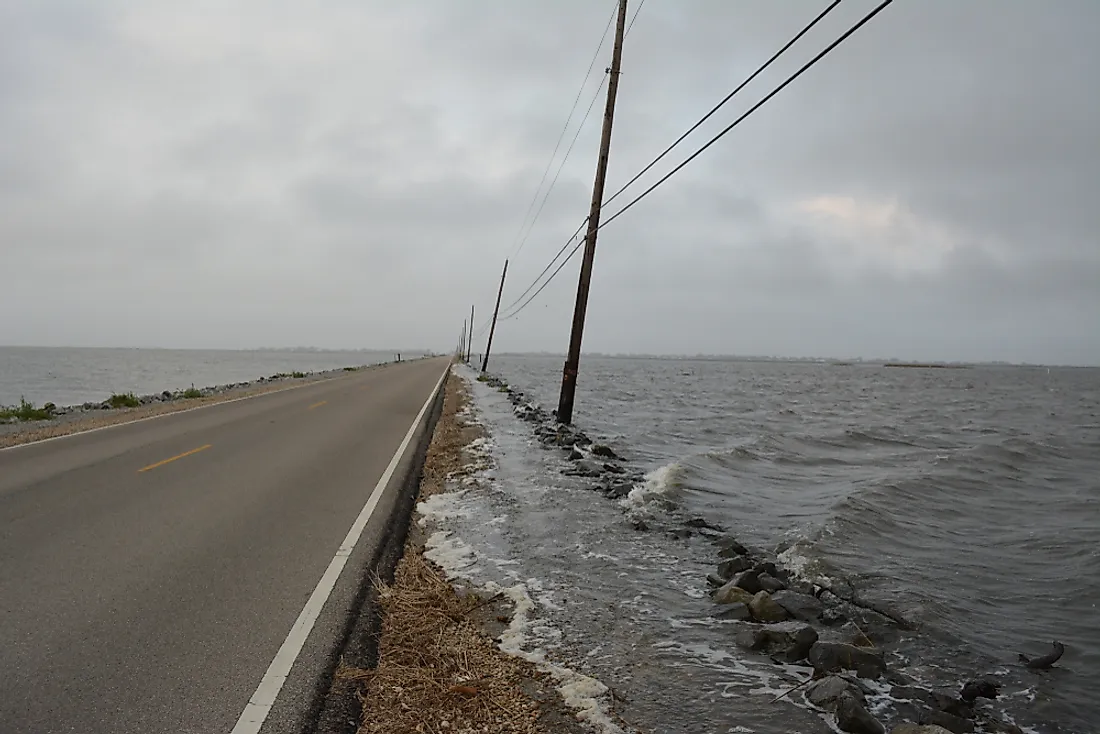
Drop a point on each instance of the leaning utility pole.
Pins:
(572, 361)
(470, 343)
(493, 328)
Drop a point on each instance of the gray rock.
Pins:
(166, 395)
(1003, 727)
(728, 548)
(802, 587)
(701, 523)
(767, 567)
(853, 634)
(770, 583)
(575, 455)
(749, 581)
(765, 610)
(951, 705)
(762, 639)
(731, 593)
(912, 693)
(972, 690)
(584, 468)
(829, 657)
(804, 639)
(731, 566)
(737, 611)
(618, 490)
(919, 729)
(858, 683)
(852, 717)
(714, 580)
(952, 723)
(613, 469)
(799, 606)
(599, 449)
(832, 616)
(565, 437)
(826, 692)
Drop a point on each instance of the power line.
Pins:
(751, 110)
(631, 25)
(514, 312)
(523, 225)
(550, 265)
(534, 295)
(727, 98)
(565, 158)
(572, 143)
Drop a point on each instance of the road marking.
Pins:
(174, 458)
(259, 706)
(180, 412)
(317, 405)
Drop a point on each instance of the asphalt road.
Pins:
(150, 572)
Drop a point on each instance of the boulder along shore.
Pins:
(840, 639)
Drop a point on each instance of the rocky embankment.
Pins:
(839, 640)
(51, 421)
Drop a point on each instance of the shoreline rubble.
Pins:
(69, 419)
(838, 636)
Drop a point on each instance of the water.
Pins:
(967, 500)
(68, 376)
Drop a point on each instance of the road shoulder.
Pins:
(422, 655)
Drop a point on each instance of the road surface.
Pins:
(150, 572)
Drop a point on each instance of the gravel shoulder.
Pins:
(78, 418)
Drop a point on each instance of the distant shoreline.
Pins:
(58, 421)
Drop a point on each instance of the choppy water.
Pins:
(967, 499)
(69, 376)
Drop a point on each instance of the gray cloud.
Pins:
(353, 174)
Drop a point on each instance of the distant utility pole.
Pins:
(493, 328)
(572, 361)
(462, 341)
(470, 345)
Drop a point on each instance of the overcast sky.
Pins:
(352, 173)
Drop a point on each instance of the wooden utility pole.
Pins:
(493, 328)
(470, 336)
(462, 341)
(572, 361)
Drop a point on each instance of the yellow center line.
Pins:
(180, 456)
(317, 405)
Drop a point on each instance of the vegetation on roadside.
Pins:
(26, 412)
(351, 369)
(191, 393)
(296, 374)
(123, 400)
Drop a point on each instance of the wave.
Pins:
(660, 489)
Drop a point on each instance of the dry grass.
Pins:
(439, 670)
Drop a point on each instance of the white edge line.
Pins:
(259, 706)
(181, 412)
